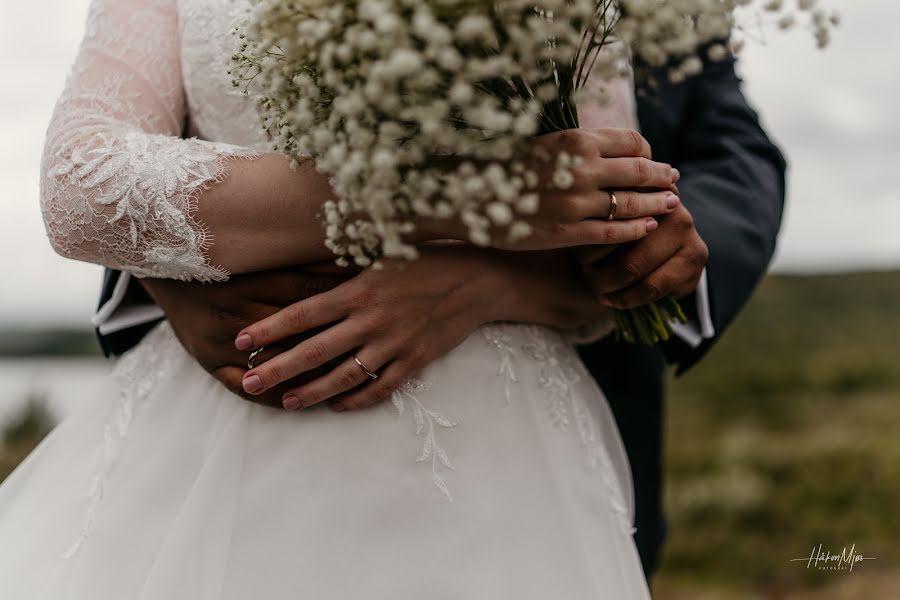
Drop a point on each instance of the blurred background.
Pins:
(784, 439)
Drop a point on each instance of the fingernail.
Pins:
(672, 201)
(292, 403)
(652, 224)
(676, 175)
(243, 342)
(252, 384)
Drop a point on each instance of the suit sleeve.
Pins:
(125, 313)
(733, 183)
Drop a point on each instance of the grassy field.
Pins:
(786, 437)
(19, 436)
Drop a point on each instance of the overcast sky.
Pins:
(834, 112)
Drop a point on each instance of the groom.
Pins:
(732, 185)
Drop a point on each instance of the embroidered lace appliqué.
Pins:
(119, 185)
(498, 337)
(559, 371)
(137, 374)
(425, 421)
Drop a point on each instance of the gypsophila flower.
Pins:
(426, 108)
(377, 90)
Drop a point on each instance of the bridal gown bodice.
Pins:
(218, 110)
(496, 473)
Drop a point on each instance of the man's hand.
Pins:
(206, 317)
(668, 263)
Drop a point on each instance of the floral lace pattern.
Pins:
(500, 339)
(560, 370)
(425, 421)
(217, 109)
(120, 186)
(138, 373)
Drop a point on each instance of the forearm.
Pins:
(265, 215)
(542, 288)
(122, 188)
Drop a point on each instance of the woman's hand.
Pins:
(205, 317)
(399, 319)
(610, 161)
(396, 320)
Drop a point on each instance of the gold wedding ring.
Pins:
(365, 368)
(251, 362)
(613, 206)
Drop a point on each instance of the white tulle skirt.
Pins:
(498, 474)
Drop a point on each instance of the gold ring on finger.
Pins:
(251, 362)
(613, 206)
(371, 374)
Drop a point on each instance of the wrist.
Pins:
(504, 299)
(545, 288)
(433, 229)
(513, 291)
(488, 287)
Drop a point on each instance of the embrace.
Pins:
(462, 426)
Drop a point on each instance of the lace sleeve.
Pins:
(119, 186)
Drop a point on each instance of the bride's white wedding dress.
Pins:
(498, 473)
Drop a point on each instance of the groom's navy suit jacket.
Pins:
(733, 184)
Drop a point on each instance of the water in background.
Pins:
(61, 384)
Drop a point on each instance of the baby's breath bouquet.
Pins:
(426, 108)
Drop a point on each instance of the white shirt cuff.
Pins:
(693, 333)
(113, 317)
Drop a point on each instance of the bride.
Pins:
(496, 472)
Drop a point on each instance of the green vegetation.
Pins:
(786, 437)
(20, 435)
(21, 342)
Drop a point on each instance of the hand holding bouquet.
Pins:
(428, 109)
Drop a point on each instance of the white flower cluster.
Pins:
(671, 32)
(416, 109)
(423, 109)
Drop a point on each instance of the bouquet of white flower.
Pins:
(425, 108)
